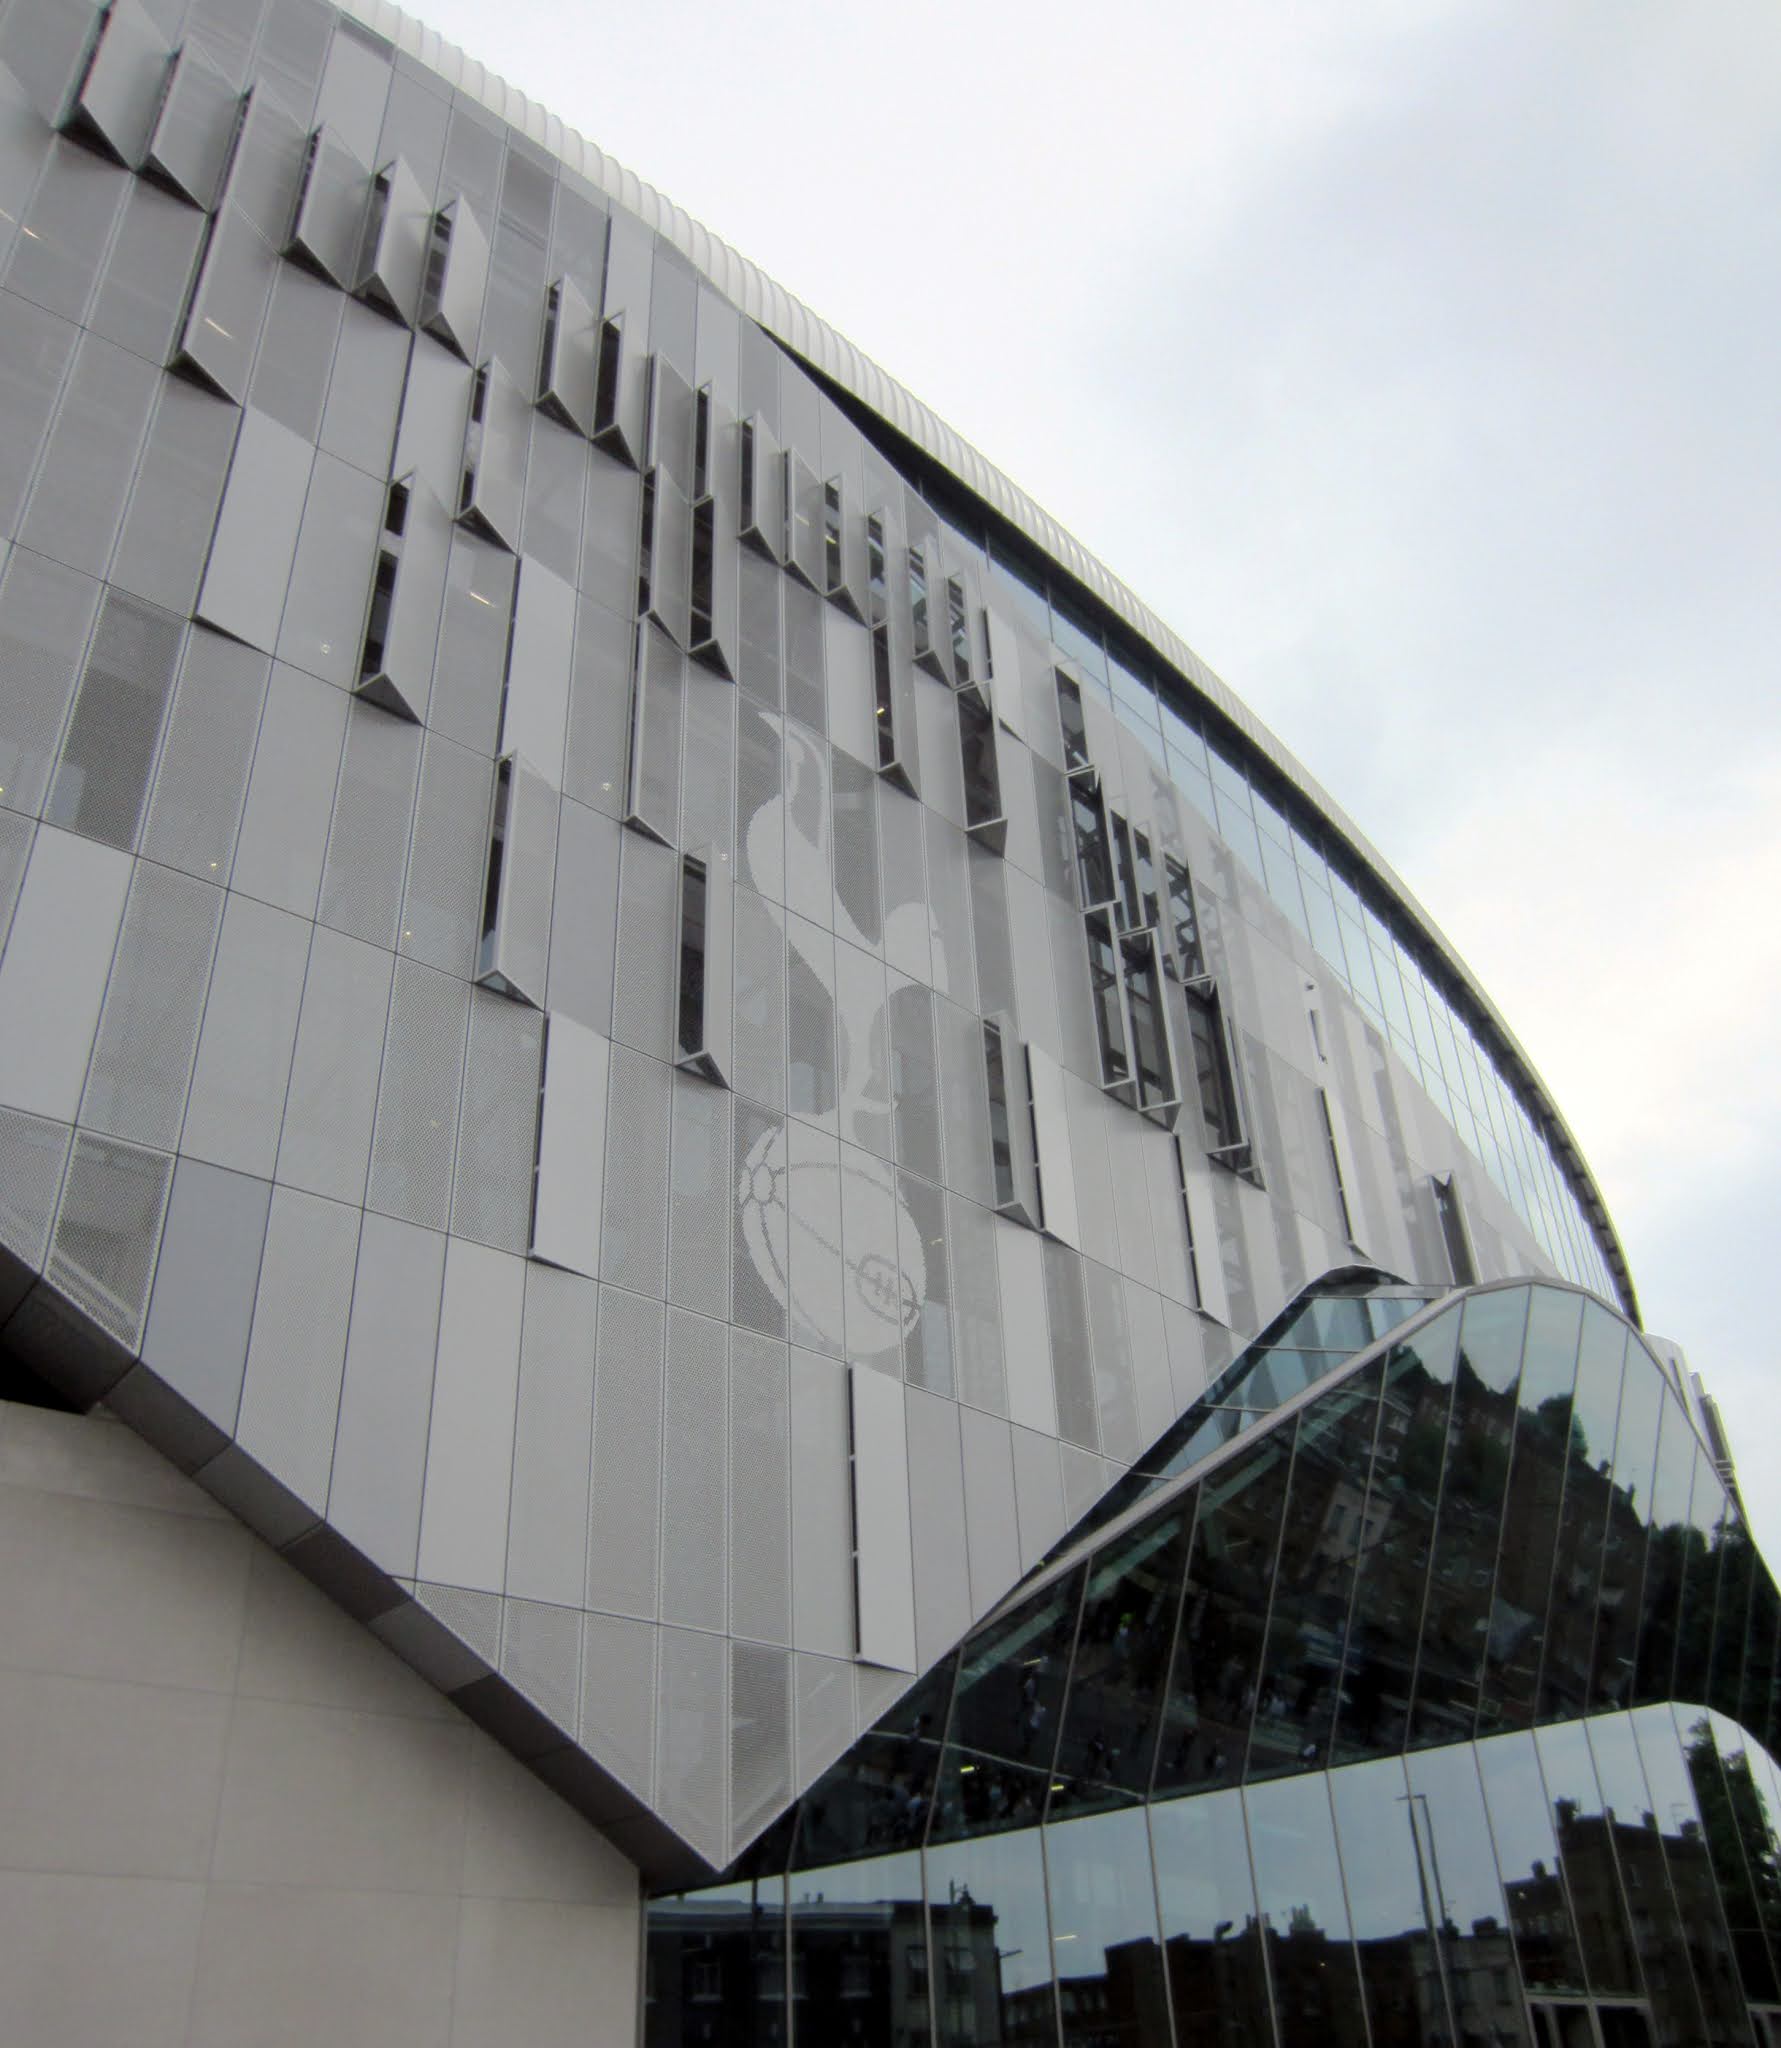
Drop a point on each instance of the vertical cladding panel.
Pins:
(915, 1079)
(809, 829)
(1038, 1493)
(434, 404)
(859, 916)
(1085, 1479)
(976, 1307)
(102, 1250)
(812, 1078)
(1077, 1038)
(535, 712)
(33, 1152)
(634, 1240)
(658, 710)
(937, 1525)
(498, 1127)
(200, 786)
(701, 1196)
(874, 1296)
(823, 1692)
(584, 917)
(325, 1144)
(624, 1495)
(1131, 1198)
(760, 1500)
(470, 658)
(942, 769)
(256, 532)
(290, 379)
(847, 661)
(810, 1214)
(1152, 1386)
(414, 1136)
(597, 746)
(708, 776)
(114, 728)
(323, 626)
(618, 1698)
(528, 881)
(1088, 1113)
(66, 228)
(16, 835)
(760, 1738)
(759, 998)
(203, 1301)
(1030, 938)
(949, 912)
(367, 856)
(692, 1739)
(1168, 1217)
(695, 1470)
(1116, 1393)
(927, 1285)
(35, 347)
(464, 1503)
(380, 1447)
(290, 793)
(290, 1399)
(442, 902)
(864, 1050)
(883, 1557)
(644, 972)
(46, 615)
(367, 394)
(552, 1440)
(1051, 1138)
(54, 970)
(760, 804)
(964, 1102)
(541, 1657)
(760, 1250)
(1199, 1196)
(77, 499)
(570, 1187)
(1196, 1350)
(1026, 1340)
(148, 1029)
(989, 925)
(992, 1528)
(822, 1507)
(905, 883)
(1072, 1368)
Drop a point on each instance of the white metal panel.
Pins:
(536, 714)
(571, 1147)
(464, 1505)
(57, 960)
(884, 1583)
(1026, 1344)
(1051, 1133)
(255, 540)
(1007, 691)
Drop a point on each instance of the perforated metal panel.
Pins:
(760, 1738)
(109, 749)
(148, 1029)
(760, 1495)
(634, 1238)
(46, 613)
(541, 1657)
(442, 905)
(695, 1473)
(326, 1141)
(473, 1617)
(759, 999)
(625, 1494)
(498, 1124)
(823, 1696)
(700, 1198)
(692, 1739)
(618, 1698)
(976, 1306)
(102, 1251)
(859, 917)
(1116, 1402)
(33, 1151)
(1072, 1370)
(644, 971)
(415, 1134)
(759, 1288)
(194, 810)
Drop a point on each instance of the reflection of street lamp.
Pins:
(1412, 1800)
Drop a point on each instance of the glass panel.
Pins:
(1623, 1540)
(716, 1966)
(1211, 1935)
(1298, 1886)
(1378, 1662)
(1740, 1846)
(1711, 1961)
(1473, 1490)
(1391, 1904)
(1644, 1878)
(859, 1962)
(878, 1795)
(1528, 1863)
(1122, 1663)
(1218, 1648)
(991, 1942)
(1669, 1548)
(1104, 1932)
(1453, 1841)
(1326, 1530)
(1586, 1857)
(1707, 1512)
(1530, 1519)
(1583, 1518)
(1756, 1707)
(997, 1766)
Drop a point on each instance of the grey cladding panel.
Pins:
(205, 1279)
(256, 532)
(121, 92)
(195, 127)
(456, 277)
(393, 250)
(244, 1049)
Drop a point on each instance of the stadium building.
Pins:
(754, 1288)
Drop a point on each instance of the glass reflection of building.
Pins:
(1417, 1688)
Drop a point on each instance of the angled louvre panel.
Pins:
(328, 220)
(803, 522)
(1007, 691)
(985, 818)
(514, 951)
(393, 248)
(1014, 1173)
(402, 619)
(457, 276)
(568, 1183)
(1211, 1296)
(1152, 1037)
(569, 358)
(1107, 987)
(930, 637)
(761, 487)
(497, 434)
(254, 540)
(893, 705)
(658, 709)
(120, 92)
(1456, 1231)
(535, 706)
(966, 661)
(665, 557)
(1342, 1155)
(673, 424)
(715, 623)
(883, 1550)
(621, 397)
(704, 1023)
(1217, 1076)
(1094, 851)
(195, 130)
(1051, 1146)
(227, 302)
(1072, 721)
(844, 551)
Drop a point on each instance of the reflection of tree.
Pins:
(1741, 1845)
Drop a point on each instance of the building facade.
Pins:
(651, 1034)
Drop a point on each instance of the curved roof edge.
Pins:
(791, 322)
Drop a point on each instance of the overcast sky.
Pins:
(1420, 362)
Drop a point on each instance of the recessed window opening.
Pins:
(958, 618)
(1187, 1226)
(831, 536)
(1184, 921)
(491, 889)
(377, 618)
(438, 252)
(884, 711)
(977, 749)
(646, 543)
(1131, 905)
(547, 348)
(1010, 1108)
(877, 574)
(612, 343)
(311, 150)
(1107, 992)
(395, 510)
(1150, 909)
(1094, 859)
(692, 956)
(701, 440)
(1215, 1079)
(918, 601)
(1074, 725)
(1335, 1157)
(375, 216)
(1456, 1236)
(703, 569)
(1151, 1054)
(745, 466)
